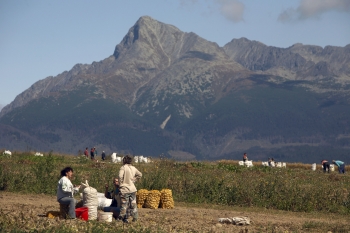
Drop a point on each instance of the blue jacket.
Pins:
(338, 163)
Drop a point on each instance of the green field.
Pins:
(296, 188)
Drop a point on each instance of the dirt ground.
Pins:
(184, 217)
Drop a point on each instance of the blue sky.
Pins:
(41, 38)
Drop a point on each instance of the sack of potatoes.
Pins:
(166, 199)
(141, 196)
(153, 199)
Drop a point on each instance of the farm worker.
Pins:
(86, 152)
(92, 153)
(245, 157)
(325, 165)
(95, 152)
(114, 195)
(269, 162)
(66, 190)
(340, 164)
(103, 155)
(127, 176)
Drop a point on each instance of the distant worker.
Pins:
(341, 166)
(325, 165)
(95, 152)
(245, 157)
(86, 152)
(103, 155)
(92, 153)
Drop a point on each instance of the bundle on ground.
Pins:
(90, 200)
(153, 199)
(141, 197)
(166, 199)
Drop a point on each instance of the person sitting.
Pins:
(66, 190)
(325, 165)
(115, 196)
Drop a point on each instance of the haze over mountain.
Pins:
(164, 91)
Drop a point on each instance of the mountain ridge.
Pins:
(167, 91)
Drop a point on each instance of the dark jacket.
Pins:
(114, 195)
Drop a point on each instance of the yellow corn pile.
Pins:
(166, 199)
(152, 200)
(141, 196)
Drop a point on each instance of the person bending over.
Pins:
(325, 165)
(340, 164)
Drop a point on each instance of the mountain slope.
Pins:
(164, 91)
(296, 62)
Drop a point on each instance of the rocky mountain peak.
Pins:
(167, 90)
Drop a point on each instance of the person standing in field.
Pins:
(103, 155)
(245, 157)
(340, 165)
(86, 152)
(325, 165)
(128, 174)
(92, 153)
(95, 152)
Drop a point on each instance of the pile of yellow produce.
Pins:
(153, 199)
(141, 196)
(166, 199)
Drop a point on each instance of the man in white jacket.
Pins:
(66, 190)
(127, 176)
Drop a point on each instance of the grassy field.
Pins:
(296, 188)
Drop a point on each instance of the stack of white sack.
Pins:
(116, 159)
(103, 201)
(7, 153)
(90, 200)
(246, 163)
(141, 159)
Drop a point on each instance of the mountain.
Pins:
(296, 62)
(164, 91)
